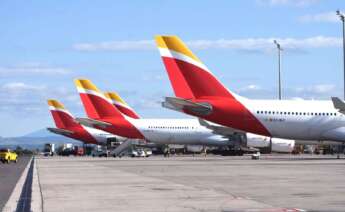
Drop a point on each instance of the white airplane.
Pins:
(200, 94)
(67, 126)
(104, 113)
(252, 140)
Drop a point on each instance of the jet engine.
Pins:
(282, 145)
(270, 144)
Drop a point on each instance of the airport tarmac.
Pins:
(9, 175)
(212, 183)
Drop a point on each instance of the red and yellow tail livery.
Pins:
(96, 105)
(102, 113)
(121, 105)
(62, 117)
(199, 92)
(66, 124)
(189, 77)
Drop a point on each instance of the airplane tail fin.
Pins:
(189, 77)
(121, 105)
(96, 104)
(63, 118)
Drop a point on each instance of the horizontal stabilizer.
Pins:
(219, 129)
(171, 107)
(92, 122)
(60, 131)
(338, 104)
(180, 104)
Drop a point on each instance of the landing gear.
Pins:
(233, 152)
(167, 151)
(205, 151)
(338, 152)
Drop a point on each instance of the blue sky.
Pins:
(47, 44)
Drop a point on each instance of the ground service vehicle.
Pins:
(6, 156)
(49, 149)
(99, 153)
(78, 151)
(141, 153)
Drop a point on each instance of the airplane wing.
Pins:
(60, 131)
(338, 104)
(92, 122)
(220, 129)
(230, 133)
(180, 105)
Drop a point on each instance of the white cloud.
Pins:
(267, 43)
(320, 17)
(251, 87)
(153, 77)
(255, 91)
(317, 89)
(17, 98)
(247, 44)
(298, 3)
(115, 45)
(32, 69)
(19, 86)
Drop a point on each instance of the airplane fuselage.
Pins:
(289, 119)
(178, 131)
(300, 119)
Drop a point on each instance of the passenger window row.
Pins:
(296, 113)
(164, 127)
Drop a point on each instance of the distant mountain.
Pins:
(36, 140)
(40, 133)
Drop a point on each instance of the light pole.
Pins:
(279, 69)
(342, 18)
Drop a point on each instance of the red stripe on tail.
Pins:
(97, 108)
(190, 80)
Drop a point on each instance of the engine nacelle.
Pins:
(282, 145)
(274, 144)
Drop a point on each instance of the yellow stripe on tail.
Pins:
(86, 84)
(176, 44)
(55, 103)
(115, 97)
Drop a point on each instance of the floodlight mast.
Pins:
(342, 18)
(279, 69)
